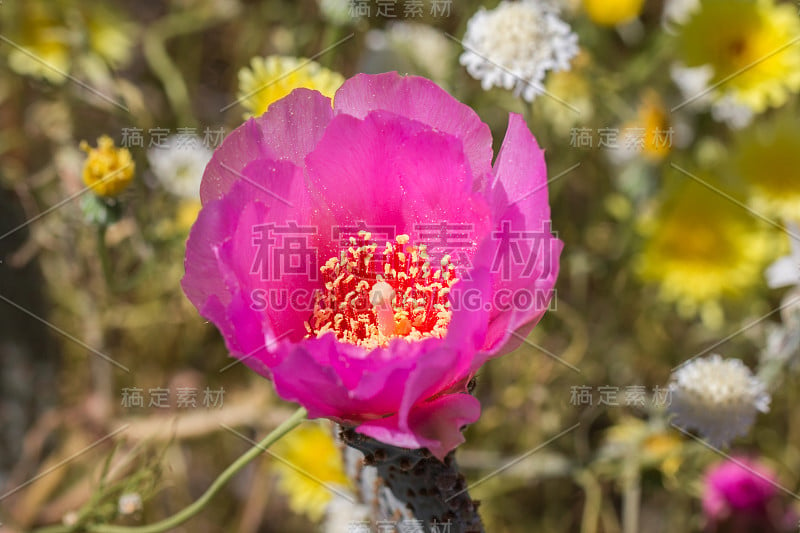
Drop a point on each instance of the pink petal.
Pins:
(203, 278)
(520, 173)
(526, 259)
(359, 386)
(388, 170)
(435, 425)
(340, 380)
(419, 99)
(229, 255)
(288, 131)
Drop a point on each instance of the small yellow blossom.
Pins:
(651, 445)
(44, 44)
(751, 45)
(182, 217)
(612, 12)
(186, 214)
(653, 124)
(108, 170)
(314, 457)
(55, 38)
(109, 35)
(701, 248)
(768, 159)
(271, 78)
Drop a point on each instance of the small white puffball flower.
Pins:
(514, 45)
(179, 163)
(717, 397)
(129, 503)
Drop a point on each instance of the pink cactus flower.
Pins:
(741, 495)
(367, 257)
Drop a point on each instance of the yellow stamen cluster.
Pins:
(371, 298)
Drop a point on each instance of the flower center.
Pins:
(737, 46)
(372, 297)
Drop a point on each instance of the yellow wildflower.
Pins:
(186, 214)
(651, 132)
(52, 38)
(109, 36)
(700, 248)
(44, 43)
(271, 78)
(650, 444)
(315, 459)
(612, 12)
(751, 45)
(108, 170)
(183, 215)
(768, 159)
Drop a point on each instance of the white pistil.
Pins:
(381, 297)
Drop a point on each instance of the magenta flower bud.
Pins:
(741, 493)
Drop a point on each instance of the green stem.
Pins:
(102, 251)
(593, 504)
(631, 497)
(154, 46)
(185, 514)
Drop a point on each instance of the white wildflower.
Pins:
(731, 112)
(341, 513)
(129, 503)
(694, 84)
(178, 163)
(786, 270)
(514, 45)
(70, 519)
(717, 397)
(677, 12)
(782, 340)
